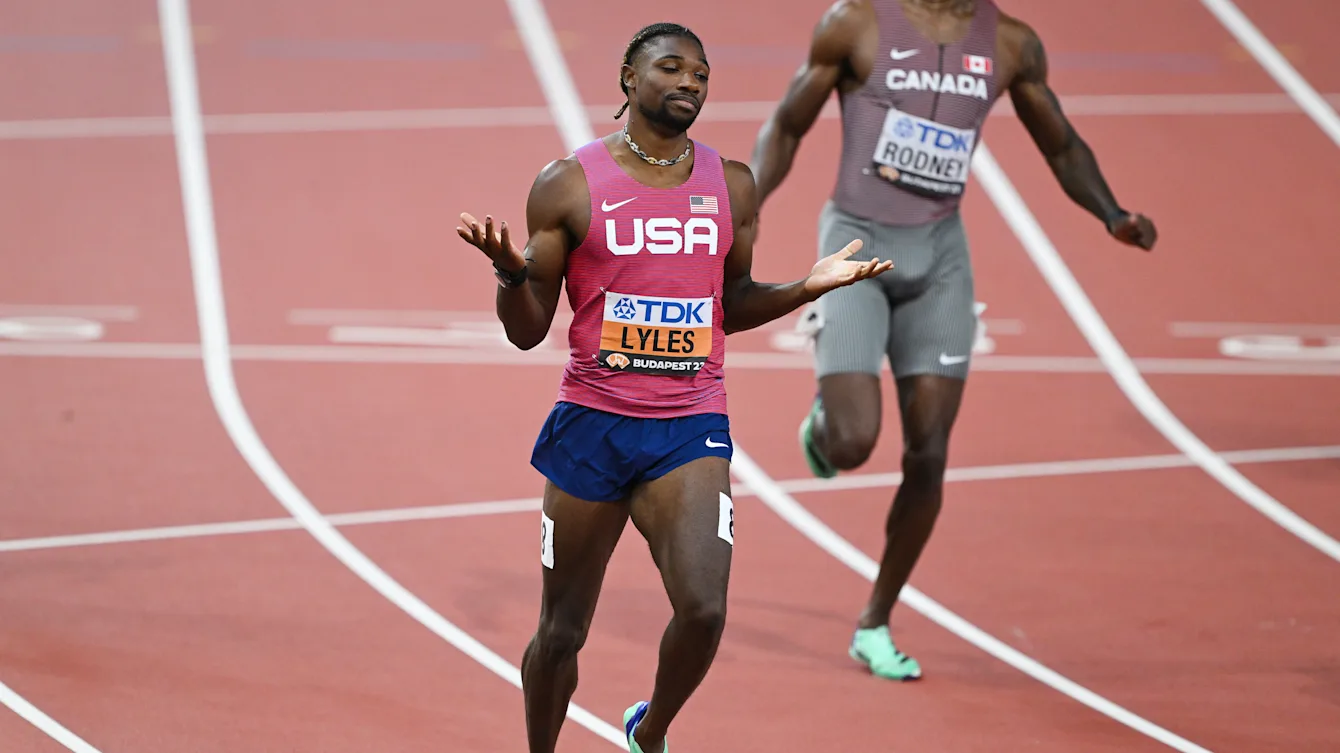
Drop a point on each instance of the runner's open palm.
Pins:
(837, 270)
(496, 245)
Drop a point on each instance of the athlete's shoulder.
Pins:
(737, 172)
(845, 13)
(740, 185)
(1021, 49)
(842, 24)
(560, 197)
(560, 177)
(1013, 29)
(846, 40)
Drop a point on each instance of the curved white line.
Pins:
(848, 554)
(1274, 62)
(1040, 249)
(197, 203)
(34, 716)
(552, 70)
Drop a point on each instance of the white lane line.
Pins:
(1127, 376)
(792, 486)
(202, 241)
(1277, 66)
(97, 313)
(403, 317)
(159, 533)
(1063, 468)
(765, 360)
(33, 715)
(844, 551)
(1232, 329)
(552, 69)
(523, 116)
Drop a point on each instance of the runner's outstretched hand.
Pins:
(497, 246)
(835, 270)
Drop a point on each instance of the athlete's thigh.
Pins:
(929, 406)
(851, 323)
(577, 538)
(932, 332)
(687, 517)
(585, 504)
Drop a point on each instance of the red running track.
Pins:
(1154, 587)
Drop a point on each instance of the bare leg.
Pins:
(582, 538)
(929, 406)
(847, 425)
(679, 514)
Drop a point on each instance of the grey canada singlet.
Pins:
(909, 132)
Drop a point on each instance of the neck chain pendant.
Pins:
(661, 162)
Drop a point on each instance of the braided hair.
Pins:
(641, 40)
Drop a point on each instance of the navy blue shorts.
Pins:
(599, 456)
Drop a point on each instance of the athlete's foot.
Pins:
(819, 465)
(874, 648)
(631, 717)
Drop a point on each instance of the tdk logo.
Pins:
(927, 133)
(660, 312)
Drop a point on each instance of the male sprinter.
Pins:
(916, 79)
(653, 232)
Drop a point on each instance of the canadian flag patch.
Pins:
(977, 64)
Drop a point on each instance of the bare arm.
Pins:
(527, 310)
(831, 47)
(748, 304)
(1070, 158)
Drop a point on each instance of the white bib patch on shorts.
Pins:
(646, 334)
(546, 541)
(726, 520)
(923, 156)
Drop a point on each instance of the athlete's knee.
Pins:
(924, 462)
(701, 608)
(559, 638)
(702, 613)
(851, 420)
(849, 441)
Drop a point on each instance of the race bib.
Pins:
(653, 335)
(923, 156)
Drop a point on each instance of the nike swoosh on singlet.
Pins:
(902, 54)
(608, 207)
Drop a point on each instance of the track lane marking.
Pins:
(745, 111)
(1091, 324)
(36, 717)
(193, 166)
(1273, 61)
(1083, 467)
(551, 68)
(765, 360)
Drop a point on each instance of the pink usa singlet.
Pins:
(645, 287)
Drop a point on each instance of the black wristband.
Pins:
(511, 279)
(1114, 215)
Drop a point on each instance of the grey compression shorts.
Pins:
(919, 314)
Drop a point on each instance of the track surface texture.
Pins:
(264, 480)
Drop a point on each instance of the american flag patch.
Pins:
(702, 205)
(977, 64)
